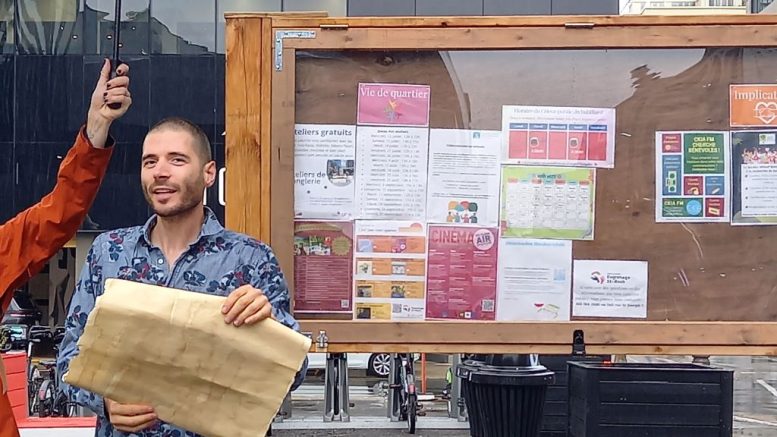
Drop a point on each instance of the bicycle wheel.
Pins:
(412, 409)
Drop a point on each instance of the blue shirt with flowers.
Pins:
(218, 262)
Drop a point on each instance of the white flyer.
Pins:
(610, 289)
(464, 181)
(534, 279)
(391, 165)
(324, 183)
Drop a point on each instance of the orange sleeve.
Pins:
(30, 239)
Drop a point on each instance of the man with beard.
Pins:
(181, 246)
(33, 236)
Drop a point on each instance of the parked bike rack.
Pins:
(336, 402)
(457, 409)
(393, 411)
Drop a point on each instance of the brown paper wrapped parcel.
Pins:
(169, 348)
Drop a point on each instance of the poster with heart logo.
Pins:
(754, 177)
(753, 105)
(692, 176)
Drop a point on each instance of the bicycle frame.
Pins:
(402, 388)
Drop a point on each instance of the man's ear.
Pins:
(210, 173)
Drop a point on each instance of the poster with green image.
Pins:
(548, 202)
(704, 153)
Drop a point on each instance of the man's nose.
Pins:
(161, 171)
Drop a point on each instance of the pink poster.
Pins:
(393, 104)
(323, 267)
(461, 275)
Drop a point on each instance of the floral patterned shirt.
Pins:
(218, 262)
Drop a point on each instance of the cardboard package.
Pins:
(171, 349)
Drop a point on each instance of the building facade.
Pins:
(685, 7)
(695, 7)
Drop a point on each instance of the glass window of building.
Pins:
(6, 26)
(51, 27)
(99, 29)
(335, 8)
(183, 26)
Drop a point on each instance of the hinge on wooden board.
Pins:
(578, 342)
(334, 27)
(579, 25)
(323, 340)
(280, 35)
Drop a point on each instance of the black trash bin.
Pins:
(504, 394)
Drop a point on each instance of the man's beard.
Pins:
(189, 201)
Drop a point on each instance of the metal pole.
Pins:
(116, 33)
(423, 372)
(116, 45)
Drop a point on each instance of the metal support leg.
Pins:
(336, 389)
(395, 387)
(458, 409)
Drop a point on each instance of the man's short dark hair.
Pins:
(199, 138)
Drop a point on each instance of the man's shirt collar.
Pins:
(210, 226)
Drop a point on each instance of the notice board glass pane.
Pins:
(634, 155)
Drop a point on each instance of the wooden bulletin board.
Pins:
(711, 285)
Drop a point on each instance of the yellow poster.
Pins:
(390, 270)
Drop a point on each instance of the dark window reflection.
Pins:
(7, 97)
(183, 27)
(215, 196)
(50, 98)
(99, 27)
(6, 26)
(7, 209)
(51, 27)
(120, 201)
(184, 86)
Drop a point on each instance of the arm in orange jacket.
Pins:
(31, 238)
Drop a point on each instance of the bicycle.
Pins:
(45, 397)
(404, 395)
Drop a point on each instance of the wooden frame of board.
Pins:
(260, 117)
